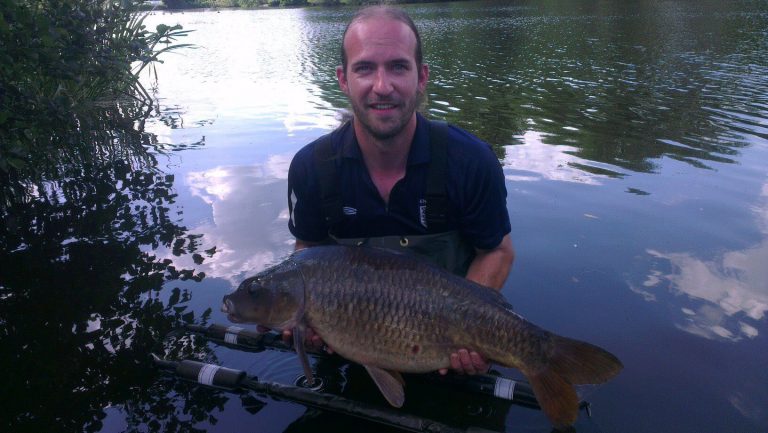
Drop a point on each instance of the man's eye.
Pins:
(363, 68)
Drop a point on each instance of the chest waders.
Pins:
(447, 248)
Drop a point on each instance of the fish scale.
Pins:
(393, 312)
(400, 317)
(393, 329)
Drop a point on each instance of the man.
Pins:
(393, 179)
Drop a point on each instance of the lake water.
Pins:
(634, 140)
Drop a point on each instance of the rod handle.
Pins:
(210, 374)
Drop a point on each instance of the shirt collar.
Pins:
(418, 154)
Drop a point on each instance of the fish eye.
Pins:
(255, 285)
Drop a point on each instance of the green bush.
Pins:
(62, 61)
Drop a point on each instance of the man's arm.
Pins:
(491, 267)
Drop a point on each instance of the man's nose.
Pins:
(382, 82)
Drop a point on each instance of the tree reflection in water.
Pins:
(84, 300)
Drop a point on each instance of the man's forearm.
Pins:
(491, 267)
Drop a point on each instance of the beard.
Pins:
(389, 127)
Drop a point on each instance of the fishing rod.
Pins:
(236, 380)
(515, 391)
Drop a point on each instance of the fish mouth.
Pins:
(229, 307)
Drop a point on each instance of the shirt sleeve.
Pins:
(305, 220)
(484, 218)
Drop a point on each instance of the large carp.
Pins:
(392, 312)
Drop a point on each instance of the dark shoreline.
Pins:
(182, 5)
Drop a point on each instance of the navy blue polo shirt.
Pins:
(475, 187)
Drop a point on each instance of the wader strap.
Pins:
(437, 176)
(330, 193)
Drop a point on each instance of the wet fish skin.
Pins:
(392, 312)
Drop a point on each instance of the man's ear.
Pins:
(423, 77)
(342, 77)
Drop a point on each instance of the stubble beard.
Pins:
(393, 127)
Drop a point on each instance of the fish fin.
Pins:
(298, 343)
(571, 362)
(582, 363)
(390, 384)
(556, 397)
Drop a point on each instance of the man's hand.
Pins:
(312, 341)
(466, 362)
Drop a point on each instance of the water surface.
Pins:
(633, 136)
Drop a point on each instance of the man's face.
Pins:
(382, 80)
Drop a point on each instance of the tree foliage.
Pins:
(89, 228)
(62, 65)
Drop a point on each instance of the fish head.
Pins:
(273, 298)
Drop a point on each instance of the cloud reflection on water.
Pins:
(730, 290)
(249, 216)
(536, 160)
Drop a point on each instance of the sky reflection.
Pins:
(241, 72)
(535, 160)
(727, 294)
(249, 222)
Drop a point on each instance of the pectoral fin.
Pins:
(390, 384)
(298, 344)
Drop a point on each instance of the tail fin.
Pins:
(582, 363)
(556, 397)
(571, 363)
